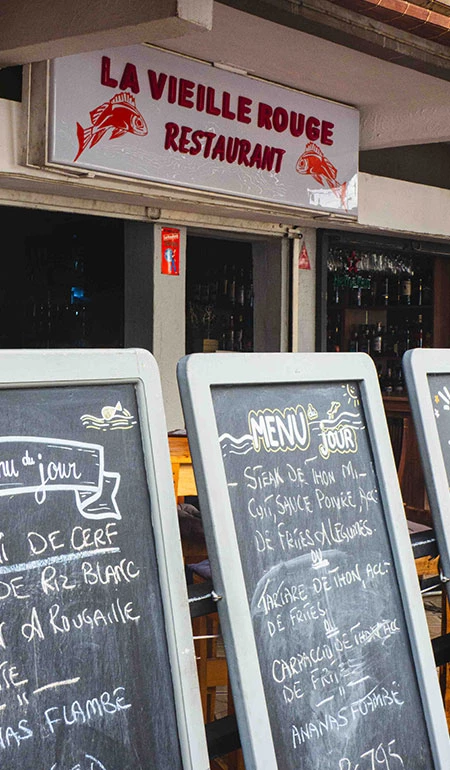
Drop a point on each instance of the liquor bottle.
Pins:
(398, 381)
(377, 339)
(232, 287)
(427, 291)
(239, 335)
(418, 333)
(333, 334)
(249, 298)
(353, 345)
(394, 290)
(387, 383)
(374, 290)
(383, 290)
(231, 334)
(364, 338)
(405, 338)
(419, 291)
(240, 289)
(395, 341)
(224, 287)
(405, 289)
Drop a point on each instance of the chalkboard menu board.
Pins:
(310, 551)
(92, 663)
(427, 375)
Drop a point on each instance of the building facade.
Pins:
(93, 263)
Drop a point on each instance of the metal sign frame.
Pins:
(197, 374)
(417, 365)
(54, 368)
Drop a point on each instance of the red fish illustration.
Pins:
(120, 115)
(314, 162)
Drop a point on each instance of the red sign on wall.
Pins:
(170, 251)
(303, 261)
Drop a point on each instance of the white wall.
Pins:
(403, 207)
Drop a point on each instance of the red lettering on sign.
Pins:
(209, 137)
(244, 150)
(200, 101)
(244, 107)
(313, 128)
(184, 139)
(130, 79)
(186, 93)
(211, 108)
(232, 149)
(219, 147)
(264, 116)
(172, 131)
(327, 132)
(297, 124)
(226, 111)
(172, 95)
(280, 119)
(105, 77)
(157, 83)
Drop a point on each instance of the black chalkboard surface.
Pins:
(427, 374)
(301, 527)
(87, 680)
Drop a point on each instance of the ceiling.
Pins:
(398, 105)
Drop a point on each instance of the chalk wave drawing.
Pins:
(236, 446)
(112, 418)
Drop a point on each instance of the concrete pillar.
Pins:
(271, 300)
(155, 308)
(304, 294)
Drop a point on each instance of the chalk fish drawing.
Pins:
(314, 163)
(120, 116)
(112, 418)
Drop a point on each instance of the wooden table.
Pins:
(182, 470)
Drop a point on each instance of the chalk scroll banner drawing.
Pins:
(161, 117)
(51, 464)
(97, 661)
(329, 651)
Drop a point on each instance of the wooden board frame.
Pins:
(197, 374)
(53, 368)
(417, 365)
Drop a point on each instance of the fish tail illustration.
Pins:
(343, 195)
(340, 190)
(84, 136)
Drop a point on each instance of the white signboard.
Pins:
(141, 112)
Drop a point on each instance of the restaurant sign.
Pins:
(144, 113)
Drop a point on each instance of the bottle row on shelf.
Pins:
(219, 302)
(390, 341)
(391, 379)
(229, 289)
(379, 289)
(232, 331)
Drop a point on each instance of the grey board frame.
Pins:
(197, 374)
(54, 368)
(417, 365)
